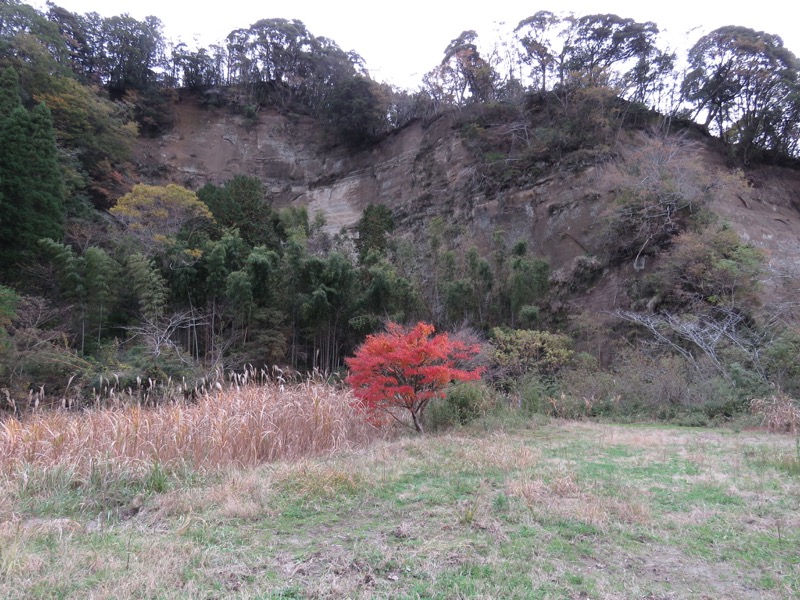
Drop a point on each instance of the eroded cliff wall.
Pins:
(427, 170)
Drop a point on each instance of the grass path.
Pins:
(561, 510)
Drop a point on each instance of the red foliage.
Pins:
(406, 369)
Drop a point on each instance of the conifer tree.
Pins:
(45, 175)
(31, 187)
(9, 92)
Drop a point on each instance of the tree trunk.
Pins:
(417, 422)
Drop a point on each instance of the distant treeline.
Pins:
(741, 83)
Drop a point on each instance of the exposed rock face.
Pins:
(426, 170)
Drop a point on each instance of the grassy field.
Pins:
(544, 510)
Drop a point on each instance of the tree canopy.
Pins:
(154, 214)
(31, 185)
(406, 369)
(745, 83)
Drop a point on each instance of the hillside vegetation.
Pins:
(610, 231)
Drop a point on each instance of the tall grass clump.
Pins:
(239, 427)
(779, 413)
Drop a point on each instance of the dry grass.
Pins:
(779, 413)
(306, 479)
(497, 451)
(565, 496)
(239, 427)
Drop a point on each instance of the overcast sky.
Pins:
(400, 41)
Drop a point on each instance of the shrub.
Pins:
(782, 364)
(661, 188)
(578, 276)
(664, 387)
(711, 267)
(463, 403)
(534, 394)
(517, 353)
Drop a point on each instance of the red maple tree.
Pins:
(407, 368)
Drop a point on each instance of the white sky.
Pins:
(402, 40)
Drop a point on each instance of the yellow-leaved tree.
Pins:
(154, 214)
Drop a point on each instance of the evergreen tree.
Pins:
(481, 280)
(148, 286)
(263, 267)
(88, 282)
(9, 92)
(528, 282)
(372, 228)
(101, 276)
(8, 307)
(240, 203)
(45, 175)
(239, 293)
(31, 187)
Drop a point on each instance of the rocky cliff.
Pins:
(428, 169)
